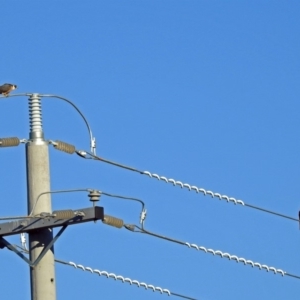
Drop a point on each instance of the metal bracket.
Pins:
(33, 224)
(5, 243)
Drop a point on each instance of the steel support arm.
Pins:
(31, 224)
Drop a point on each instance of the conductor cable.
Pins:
(124, 279)
(135, 228)
(174, 182)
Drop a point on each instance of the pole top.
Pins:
(35, 117)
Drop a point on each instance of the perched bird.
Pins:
(6, 88)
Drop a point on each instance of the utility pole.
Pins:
(42, 276)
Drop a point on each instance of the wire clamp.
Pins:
(93, 145)
(143, 216)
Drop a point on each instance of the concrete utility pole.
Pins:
(42, 276)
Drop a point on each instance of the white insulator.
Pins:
(35, 113)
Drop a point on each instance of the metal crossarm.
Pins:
(59, 218)
(31, 224)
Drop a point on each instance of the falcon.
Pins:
(6, 88)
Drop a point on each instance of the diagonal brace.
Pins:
(5, 243)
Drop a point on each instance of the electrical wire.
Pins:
(188, 186)
(92, 139)
(15, 95)
(124, 279)
(143, 211)
(271, 212)
(56, 192)
(260, 266)
(110, 162)
(116, 277)
(125, 198)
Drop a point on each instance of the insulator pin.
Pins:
(62, 146)
(112, 221)
(64, 214)
(9, 142)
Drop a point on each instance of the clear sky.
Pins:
(205, 92)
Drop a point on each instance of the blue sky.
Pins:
(205, 92)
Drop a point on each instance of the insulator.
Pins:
(64, 214)
(94, 195)
(35, 113)
(9, 142)
(62, 146)
(112, 221)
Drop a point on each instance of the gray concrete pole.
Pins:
(42, 276)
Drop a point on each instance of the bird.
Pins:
(6, 88)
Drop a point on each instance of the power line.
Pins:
(142, 230)
(167, 180)
(186, 185)
(117, 277)
(124, 197)
(124, 279)
(211, 251)
(83, 153)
